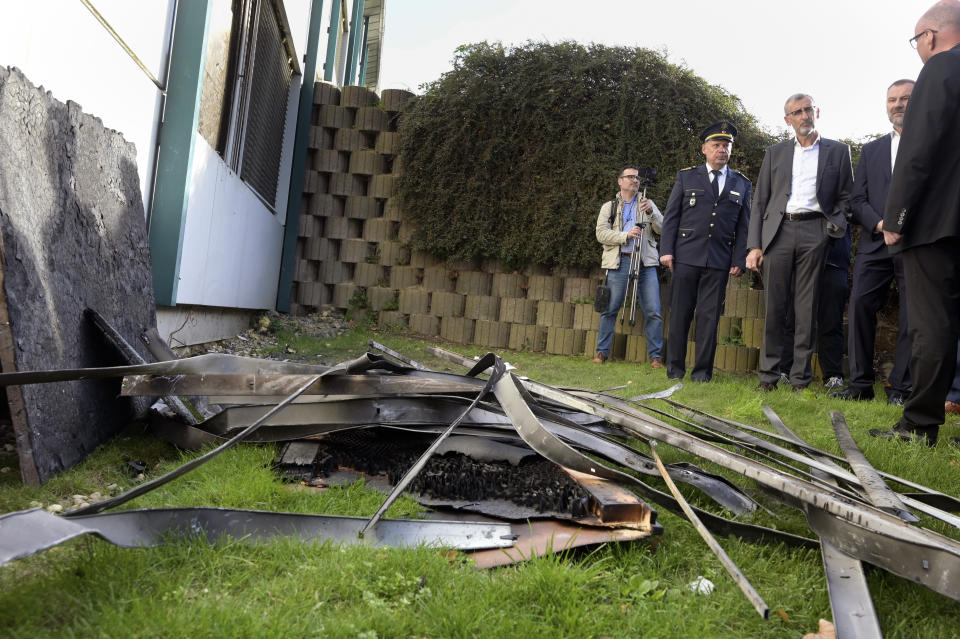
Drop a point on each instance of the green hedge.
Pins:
(511, 154)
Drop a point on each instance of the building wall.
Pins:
(232, 240)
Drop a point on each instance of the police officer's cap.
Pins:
(722, 130)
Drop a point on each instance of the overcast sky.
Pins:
(843, 52)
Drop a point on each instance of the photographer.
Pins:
(704, 240)
(626, 224)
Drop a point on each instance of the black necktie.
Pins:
(716, 185)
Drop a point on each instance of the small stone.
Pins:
(36, 504)
(96, 496)
(79, 498)
(140, 477)
(54, 508)
(112, 486)
(9, 448)
(5, 469)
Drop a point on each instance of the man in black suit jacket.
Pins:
(801, 200)
(922, 221)
(703, 241)
(875, 267)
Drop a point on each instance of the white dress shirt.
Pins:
(722, 178)
(803, 186)
(894, 145)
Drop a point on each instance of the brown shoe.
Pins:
(766, 387)
(657, 362)
(951, 407)
(600, 358)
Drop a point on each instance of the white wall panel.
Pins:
(232, 241)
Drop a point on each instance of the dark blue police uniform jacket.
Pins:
(700, 232)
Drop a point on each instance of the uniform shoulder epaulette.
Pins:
(739, 173)
(690, 168)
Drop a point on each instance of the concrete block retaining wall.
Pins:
(352, 249)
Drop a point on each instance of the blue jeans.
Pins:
(648, 294)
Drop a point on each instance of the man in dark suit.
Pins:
(875, 267)
(703, 240)
(802, 200)
(921, 221)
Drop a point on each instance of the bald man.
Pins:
(921, 221)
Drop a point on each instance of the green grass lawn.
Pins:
(89, 588)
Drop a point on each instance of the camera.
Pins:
(647, 175)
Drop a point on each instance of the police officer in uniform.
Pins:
(704, 240)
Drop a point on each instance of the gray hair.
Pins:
(795, 97)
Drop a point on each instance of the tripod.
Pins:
(633, 279)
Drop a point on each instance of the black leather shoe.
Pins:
(798, 388)
(926, 436)
(860, 395)
(766, 387)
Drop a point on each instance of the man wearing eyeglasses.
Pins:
(875, 267)
(704, 241)
(802, 200)
(921, 222)
(626, 224)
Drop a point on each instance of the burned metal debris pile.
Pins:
(567, 460)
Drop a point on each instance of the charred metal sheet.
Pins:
(131, 356)
(935, 498)
(489, 361)
(542, 440)
(821, 465)
(190, 465)
(930, 502)
(28, 532)
(716, 487)
(886, 540)
(853, 611)
(720, 433)
(394, 354)
(924, 561)
(717, 524)
(398, 411)
(304, 420)
(282, 385)
(194, 438)
(877, 490)
(539, 538)
(788, 433)
(199, 365)
(741, 580)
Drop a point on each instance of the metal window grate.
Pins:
(267, 109)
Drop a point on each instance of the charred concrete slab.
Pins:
(73, 237)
